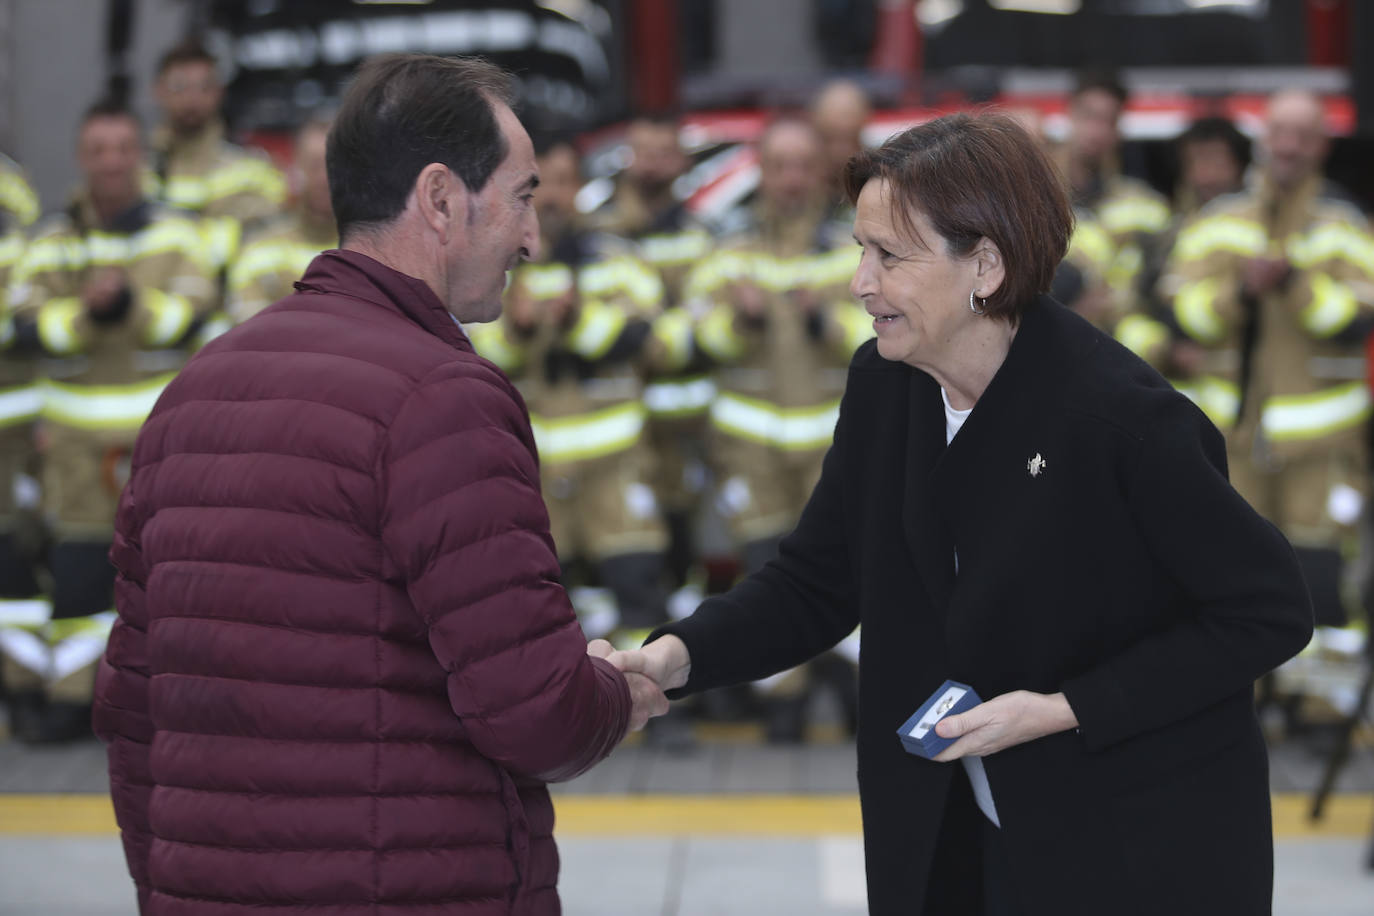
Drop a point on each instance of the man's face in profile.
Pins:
(502, 228)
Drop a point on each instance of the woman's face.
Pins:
(915, 290)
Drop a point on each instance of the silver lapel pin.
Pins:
(1036, 465)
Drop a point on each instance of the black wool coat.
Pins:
(1126, 573)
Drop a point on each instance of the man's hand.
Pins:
(665, 661)
(646, 697)
(1006, 721)
(103, 289)
(1260, 275)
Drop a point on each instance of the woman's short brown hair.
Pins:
(977, 176)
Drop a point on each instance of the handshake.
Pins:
(661, 665)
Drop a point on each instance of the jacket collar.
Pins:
(357, 276)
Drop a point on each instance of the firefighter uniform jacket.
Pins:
(1286, 372)
(103, 374)
(583, 381)
(273, 259)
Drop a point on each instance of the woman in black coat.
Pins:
(1016, 502)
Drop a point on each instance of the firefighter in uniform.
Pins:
(109, 293)
(1277, 282)
(578, 330)
(781, 327)
(1212, 156)
(195, 168)
(1127, 209)
(22, 613)
(840, 112)
(274, 257)
(645, 211)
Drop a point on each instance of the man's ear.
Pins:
(442, 200)
(990, 269)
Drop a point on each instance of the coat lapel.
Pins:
(932, 549)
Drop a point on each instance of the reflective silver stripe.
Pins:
(1311, 416)
(26, 649)
(588, 436)
(103, 407)
(26, 612)
(792, 429)
(82, 649)
(19, 404)
(679, 397)
(1333, 306)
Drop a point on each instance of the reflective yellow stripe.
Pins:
(18, 196)
(669, 250)
(1091, 243)
(788, 428)
(490, 342)
(1217, 398)
(716, 271)
(590, 435)
(64, 252)
(622, 276)
(25, 612)
(598, 327)
(679, 398)
(246, 176)
(1134, 214)
(11, 249)
(57, 325)
(170, 317)
(20, 405)
(217, 324)
(545, 281)
(857, 325)
(1141, 335)
(265, 258)
(716, 335)
(834, 268)
(1332, 308)
(1286, 418)
(1125, 267)
(1231, 234)
(221, 237)
(26, 648)
(1334, 241)
(102, 407)
(79, 642)
(1197, 315)
(673, 331)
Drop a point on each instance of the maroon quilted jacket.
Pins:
(344, 667)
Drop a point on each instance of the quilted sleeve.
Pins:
(465, 527)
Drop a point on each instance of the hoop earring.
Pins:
(974, 307)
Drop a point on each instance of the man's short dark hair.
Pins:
(1216, 129)
(403, 112)
(108, 107)
(1100, 80)
(190, 51)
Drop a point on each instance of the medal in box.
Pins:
(918, 733)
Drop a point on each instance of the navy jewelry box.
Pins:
(918, 733)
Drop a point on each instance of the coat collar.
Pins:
(349, 273)
(937, 477)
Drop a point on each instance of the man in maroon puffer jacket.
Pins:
(344, 668)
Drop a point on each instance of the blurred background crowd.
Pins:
(682, 338)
